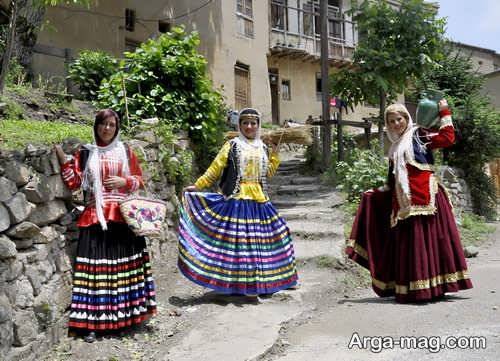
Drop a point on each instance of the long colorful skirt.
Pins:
(234, 246)
(420, 259)
(113, 286)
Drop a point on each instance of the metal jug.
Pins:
(427, 114)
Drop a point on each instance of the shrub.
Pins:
(166, 78)
(178, 167)
(366, 171)
(90, 69)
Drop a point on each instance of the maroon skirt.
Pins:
(419, 259)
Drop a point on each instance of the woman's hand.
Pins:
(274, 147)
(191, 188)
(114, 182)
(61, 156)
(443, 104)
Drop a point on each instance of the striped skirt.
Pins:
(113, 286)
(234, 246)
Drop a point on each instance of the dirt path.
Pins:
(196, 324)
(314, 322)
(474, 312)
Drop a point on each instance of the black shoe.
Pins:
(90, 337)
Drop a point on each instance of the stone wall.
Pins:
(38, 241)
(453, 180)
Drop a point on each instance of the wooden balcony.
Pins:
(294, 32)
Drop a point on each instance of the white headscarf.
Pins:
(92, 178)
(401, 151)
(256, 143)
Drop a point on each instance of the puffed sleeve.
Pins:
(71, 172)
(214, 172)
(274, 162)
(445, 137)
(134, 180)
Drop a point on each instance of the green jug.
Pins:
(427, 115)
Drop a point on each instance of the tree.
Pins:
(166, 78)
(395, 47)
(25, 20)
(476, 122)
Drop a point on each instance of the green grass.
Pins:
(474, 230)
(15, 133)
(14, 110)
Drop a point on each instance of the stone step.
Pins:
(278, 180)
(322, 199)
(290, 163)
(290, 203)
(309, 249)
(288, 172)
(314, 214)
(313, 230)
(298, 189)
(304, 180)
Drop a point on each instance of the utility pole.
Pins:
(325, 91)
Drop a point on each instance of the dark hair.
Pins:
(249, 112)
(101, 116)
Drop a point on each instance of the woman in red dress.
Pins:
(113, 287)
(405, 232)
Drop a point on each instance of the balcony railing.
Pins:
(297, 29)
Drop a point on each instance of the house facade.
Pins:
(264, 54)
(484, 60)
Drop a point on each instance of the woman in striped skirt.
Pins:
(235, 242)
(113, 287)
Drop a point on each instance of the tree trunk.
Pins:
(29, 22)
(383, 102)
(8, 45)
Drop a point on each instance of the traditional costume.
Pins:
(235, 242)
(405, 233)
(113, 286)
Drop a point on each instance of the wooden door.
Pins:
(241, 87)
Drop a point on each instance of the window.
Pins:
(163, 27)
(129, 19)
(318, 82)
(285, 90)
(311, 18)
(241, 86)
(334, 28)
(279, 14)
(244, 17)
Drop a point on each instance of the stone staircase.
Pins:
(310, 209)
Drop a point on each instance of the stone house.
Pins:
(262, 53)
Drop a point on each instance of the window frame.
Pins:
(130, 19)
(286, 95)
(244, 15)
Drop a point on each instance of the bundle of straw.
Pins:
(298, 135)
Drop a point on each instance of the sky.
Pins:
(472, 22)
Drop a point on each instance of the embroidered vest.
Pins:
(231, 177)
